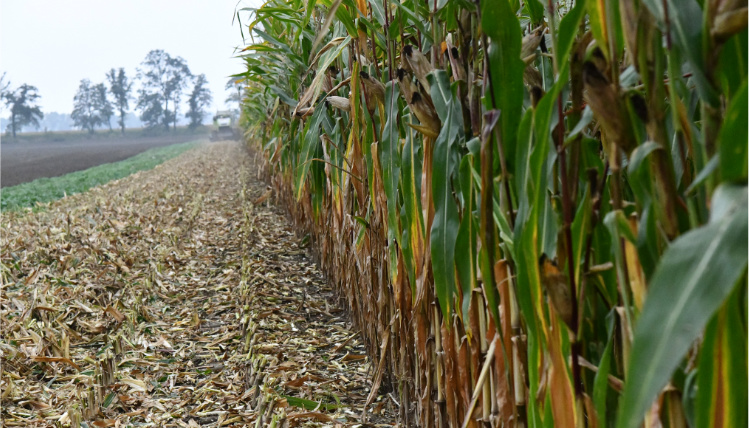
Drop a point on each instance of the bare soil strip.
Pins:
(26, 161)
(174, 297)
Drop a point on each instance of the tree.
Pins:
(3, 85)
(152, 111)
(102, 105)
(163, 78)
(120, 87)
(200, 98)
(85, 112)
(22, 109)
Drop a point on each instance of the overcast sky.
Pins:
(53, 44)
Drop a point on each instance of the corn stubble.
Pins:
(505, 194)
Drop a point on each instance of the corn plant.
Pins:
(535, 211)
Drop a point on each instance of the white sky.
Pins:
(53, 44)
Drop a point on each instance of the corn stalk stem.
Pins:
(505, 177)
(596, 193)
(482, 379)
(567, 214)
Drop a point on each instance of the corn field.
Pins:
(536, 212)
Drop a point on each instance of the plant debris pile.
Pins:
(174, 297)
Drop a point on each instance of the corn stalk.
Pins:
(536, 214)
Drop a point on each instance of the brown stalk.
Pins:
(567, 228)
(481, 380)
(595, 193)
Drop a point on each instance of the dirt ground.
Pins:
(27, 161)
(175, 297)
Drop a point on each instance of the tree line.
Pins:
(164, 81)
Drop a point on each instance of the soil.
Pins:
(23, 162)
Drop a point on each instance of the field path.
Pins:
(176, 297)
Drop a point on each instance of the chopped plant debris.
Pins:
(176, 297)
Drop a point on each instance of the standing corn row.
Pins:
(536, 213)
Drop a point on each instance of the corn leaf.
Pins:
(310, 143)
(734, 139)
(390, 161)
(722, 382)
(506, 69)
(446, 221)
(684, 18)
(465, 244)
(694, 277)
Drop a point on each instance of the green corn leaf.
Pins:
(310, 143)
(694, 277)
(533, 199)
(597, 20)
(733, 64)
(535, 9)
(465, 245)
(734, 139)
(283, 96)
(413, 221)
(505, 232)
(441, 93)
(685, 20)
(390, 162)
(567, 31)
(580, 227)
(639, 173)
(416, 21)
(506, 69)
(446, 221)
(601, 381)
(378, 11)
(270, 39)
(722, 372)
(523, 151)
(347, 16)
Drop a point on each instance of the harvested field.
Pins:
(176, 297)
(26, 161)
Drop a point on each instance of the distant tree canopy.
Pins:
(103, 105)
(91, 107)
(21, 103)
(3, 85)
(150, 107)
(200, 98)
(163, 79)
(120, 87)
